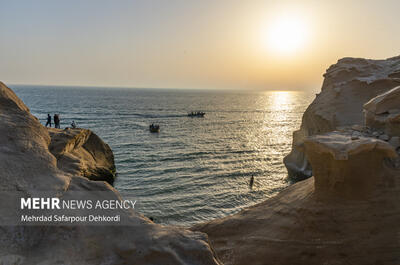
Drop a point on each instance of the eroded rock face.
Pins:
(80, 152)
(383, 112)
(347, 86)
(22, 140)
(347, 167)
(27, 166)
(347, 214)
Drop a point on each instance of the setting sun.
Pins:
(206, 132)
(286, 34)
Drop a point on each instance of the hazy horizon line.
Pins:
(159, 88)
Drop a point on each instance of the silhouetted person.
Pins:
(48, 120)
(73, 124)
(251, 182)
(56, 121)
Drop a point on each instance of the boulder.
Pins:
(81, 152)
(345, 167)
(382, 112)
(347, 86)
(28, 167)
(387, 102)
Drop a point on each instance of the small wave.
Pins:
(194, 169)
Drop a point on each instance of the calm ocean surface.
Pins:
(195, 169)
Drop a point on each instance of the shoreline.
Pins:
(219, 152)
(336, 215)
(33, 163)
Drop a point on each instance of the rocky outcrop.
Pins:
(347, 86)
(27, 166)
(346, 214)
(383, 112)
(347, 167)
(80, 152)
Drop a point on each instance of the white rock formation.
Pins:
(382, 112)
(348, 213)
(81, 152)
(347, 86)
(346, 167)
(27, 166)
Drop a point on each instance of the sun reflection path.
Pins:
(270, 139)
(281, 100)
(281, 105)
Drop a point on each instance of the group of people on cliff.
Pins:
(56, 119)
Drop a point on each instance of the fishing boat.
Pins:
(196, 114)
(154, 128)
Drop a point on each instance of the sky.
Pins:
(207, 44)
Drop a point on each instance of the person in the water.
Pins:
(73, 124)
(48, 120)
(251, 182)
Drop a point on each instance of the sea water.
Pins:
(195, 169)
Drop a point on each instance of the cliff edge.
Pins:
(347, 86)
(348, 211)
(81, 152)
(31, 161)
(346, 214)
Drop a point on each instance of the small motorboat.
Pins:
(154, 128)
(196, 114)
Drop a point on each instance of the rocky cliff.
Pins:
(348, 212)
(80, 152)
(34, 159)
(347, 86)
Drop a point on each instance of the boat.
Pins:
(196, 114)
(154, 128)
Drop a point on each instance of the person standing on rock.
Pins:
(48, 120)
(56, 121)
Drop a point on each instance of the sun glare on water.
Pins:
(285, 34)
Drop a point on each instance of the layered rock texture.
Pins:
(347, 86)
(383, 112)
(348, 212)
(80, 152)
(34, 159)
